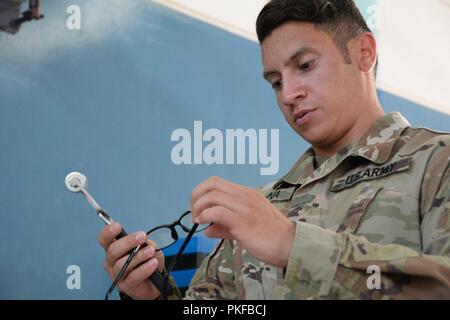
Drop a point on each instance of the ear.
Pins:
(366, 52)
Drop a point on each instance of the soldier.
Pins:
(372, 192)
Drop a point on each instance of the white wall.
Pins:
(414, 41)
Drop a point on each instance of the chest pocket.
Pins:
(354, 203)
(356, 191)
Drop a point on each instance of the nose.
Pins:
(292, 91)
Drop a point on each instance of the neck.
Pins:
(361, 126)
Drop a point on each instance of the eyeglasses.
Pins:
(164, 236)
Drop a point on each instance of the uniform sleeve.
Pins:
(326, 264)
(217, 276)
(176, 294)
(215, 279)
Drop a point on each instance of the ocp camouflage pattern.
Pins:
(381, 201)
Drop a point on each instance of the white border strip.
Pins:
(414, 98)
(208, 19)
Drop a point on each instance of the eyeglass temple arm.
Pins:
(183, 246)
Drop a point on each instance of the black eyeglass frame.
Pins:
(174, 234)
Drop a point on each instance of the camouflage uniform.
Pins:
(383, 200)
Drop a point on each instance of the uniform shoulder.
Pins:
(421, 137)
(432, 133)
(267, 188)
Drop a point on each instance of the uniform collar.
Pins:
(375, 145)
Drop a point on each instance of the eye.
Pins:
(306, 66)
(276, 85)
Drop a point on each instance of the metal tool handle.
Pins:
(77, 182)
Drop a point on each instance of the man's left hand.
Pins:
(243, 214)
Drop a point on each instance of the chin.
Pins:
(313, 138)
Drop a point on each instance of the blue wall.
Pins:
(105, 104)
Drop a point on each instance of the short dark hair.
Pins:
(341, 19)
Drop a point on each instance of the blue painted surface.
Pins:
(416, 114)
(196, 245)
(105, 103)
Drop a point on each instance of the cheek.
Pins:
(326, 90)
(333, 103)
(328, 83)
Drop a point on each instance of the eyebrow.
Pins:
(301, 51)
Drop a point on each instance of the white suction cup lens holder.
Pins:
(75, 180)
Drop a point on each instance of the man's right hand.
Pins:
(135, 281)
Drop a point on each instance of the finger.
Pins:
(140, 274)
(123, 246)
(152, 243)
(158, 253)
(215, 198)
(218, 232)
(214, 183)
(108, 234)
(143, 255)
(221, 216)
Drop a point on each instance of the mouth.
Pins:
(303, 116)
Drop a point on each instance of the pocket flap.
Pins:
(358, 207)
